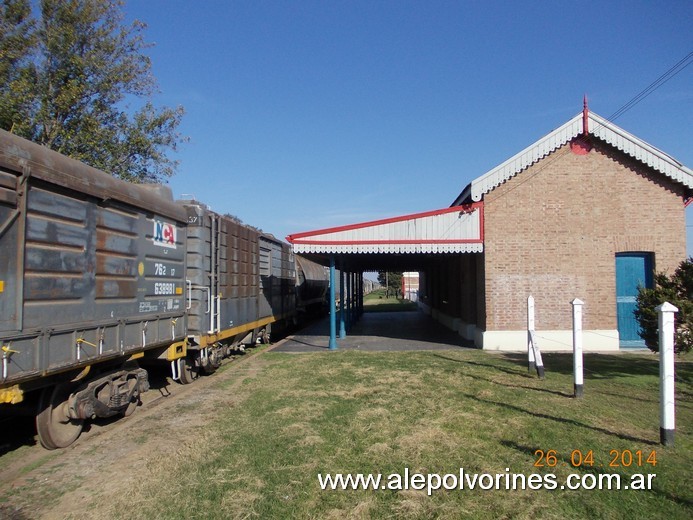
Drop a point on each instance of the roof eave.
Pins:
(598, 127)
(464, 197)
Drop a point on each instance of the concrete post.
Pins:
(667, 422)
(577, 347)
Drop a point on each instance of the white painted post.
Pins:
(667, 422)
(531, 363)
(533, 352)
(537, 355)
(577, 347)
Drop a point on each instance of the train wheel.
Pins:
(189, 372)
(214, 357)
(55, 428)
(130, 409)
(132, 406)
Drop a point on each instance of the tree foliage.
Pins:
(392, 282)
(69, 80)
(17, 39)
(676, 289)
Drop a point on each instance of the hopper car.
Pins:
(100, 278)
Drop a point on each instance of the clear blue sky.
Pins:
(308, 114)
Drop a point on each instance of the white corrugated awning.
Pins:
(451, 230)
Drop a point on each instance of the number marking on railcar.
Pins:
(164, 288)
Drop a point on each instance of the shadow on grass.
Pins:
(563, 420)
(15, 432)
(683, 395)
(391, 307)
(604, 366)
(11, 513)
(511, 372)
(600, 366)
(533, 388)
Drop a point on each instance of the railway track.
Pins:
(123, 445)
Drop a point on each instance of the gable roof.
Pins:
(599, 128)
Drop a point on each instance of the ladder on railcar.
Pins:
(214, 274)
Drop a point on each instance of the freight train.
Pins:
(99, 277)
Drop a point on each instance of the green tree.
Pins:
(676, 289)
(17, 74)
(392, 281)
(74, 75)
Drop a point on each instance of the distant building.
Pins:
(410, 286)
(369, 285)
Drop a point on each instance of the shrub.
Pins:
(676, 289)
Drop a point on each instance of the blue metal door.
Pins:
(633, 270)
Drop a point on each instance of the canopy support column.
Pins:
(354, 298)
(342, 329)
(348, 302)
(333, 319)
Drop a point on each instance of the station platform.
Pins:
(378, 331)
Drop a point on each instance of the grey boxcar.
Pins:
(92, 277)
(240, 283)
(97, 273)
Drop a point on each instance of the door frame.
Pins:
(649, 268)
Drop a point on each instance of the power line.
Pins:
(669, 74)
(661, 80)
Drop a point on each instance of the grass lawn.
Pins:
(376, 301)
(430, 412)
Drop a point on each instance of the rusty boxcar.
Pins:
(241, 282)
(92, 275)
(98, 275)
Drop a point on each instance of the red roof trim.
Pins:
(466, 208)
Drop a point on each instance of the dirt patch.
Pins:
(81, 481)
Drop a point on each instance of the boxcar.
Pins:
(98, 276)
(312, 282)
(240, 283)
(92, 277)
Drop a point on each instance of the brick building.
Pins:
(589, 211)
(410, 285)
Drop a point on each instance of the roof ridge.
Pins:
(603, 129)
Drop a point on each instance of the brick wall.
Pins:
(554, 229)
